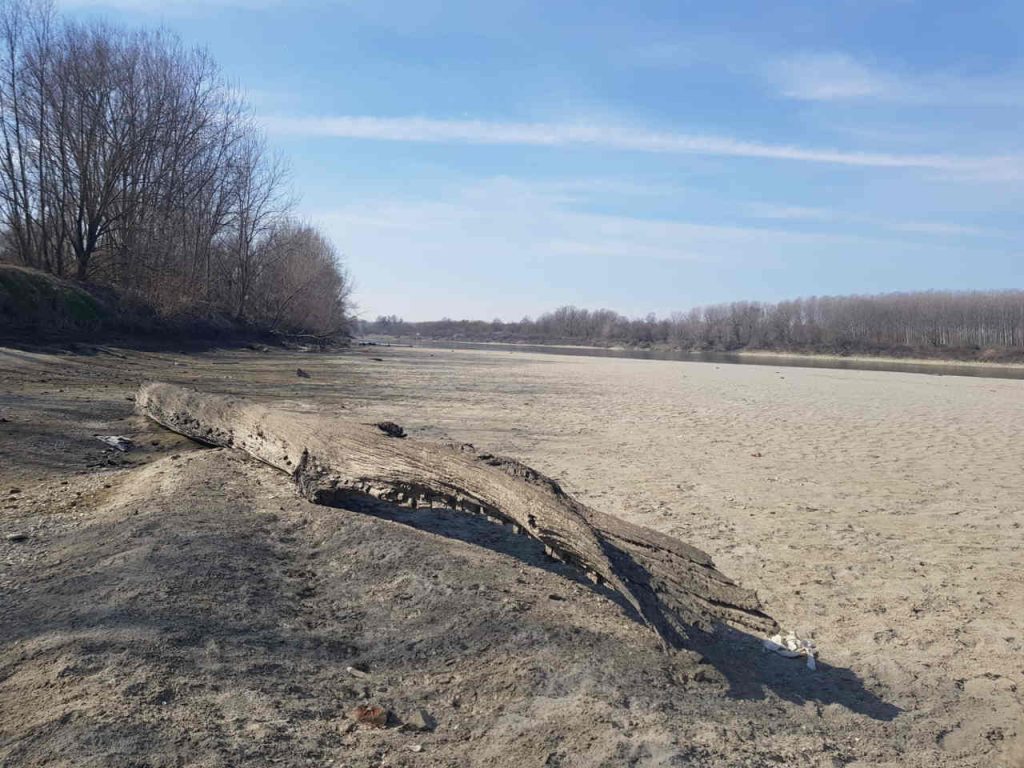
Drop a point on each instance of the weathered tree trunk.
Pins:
(336, 462)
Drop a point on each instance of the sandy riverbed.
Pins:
(880, 513)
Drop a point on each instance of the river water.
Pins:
(791, 361)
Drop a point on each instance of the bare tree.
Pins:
(127, 159)
(257, 204)
(302, 285)
(976, 323)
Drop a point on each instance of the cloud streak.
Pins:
(830, 77)
(838, 77)
(798, 213)
(439, 131)
(178, 7)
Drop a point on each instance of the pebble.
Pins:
(420, 720)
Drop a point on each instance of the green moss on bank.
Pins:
(30, 299)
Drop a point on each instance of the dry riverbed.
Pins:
(176, 605)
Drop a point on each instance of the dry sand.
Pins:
(184, 608)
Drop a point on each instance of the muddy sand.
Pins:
(180, 606)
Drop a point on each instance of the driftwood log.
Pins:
(338, 462)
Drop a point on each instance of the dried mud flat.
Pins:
(180, 606)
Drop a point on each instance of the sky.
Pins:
(499, 159)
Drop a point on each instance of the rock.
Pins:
(707, 676)
(356, 672)
(390, 429)
(370, 715)
(15, 537)
(162, 697)
(416, 747)
(117, 442)
(420, 720)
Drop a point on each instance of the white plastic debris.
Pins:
(117, 442)
(792, 647)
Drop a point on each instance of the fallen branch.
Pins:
(339, 462)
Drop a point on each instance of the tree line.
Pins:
(953, 323)
(128, 160)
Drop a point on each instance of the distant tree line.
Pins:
(959, 324)
(126, 159)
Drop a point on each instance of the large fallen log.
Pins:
(340, 462)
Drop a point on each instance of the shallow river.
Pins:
(791, 361)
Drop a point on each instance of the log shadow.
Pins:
(751, 673)
(476, 530)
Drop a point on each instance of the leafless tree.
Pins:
(961, 324)
(126, 159)
(301, 286)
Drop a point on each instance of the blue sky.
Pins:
(496, 159)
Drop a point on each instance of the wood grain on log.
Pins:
(337, 461)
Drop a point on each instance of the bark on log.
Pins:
(337, 462)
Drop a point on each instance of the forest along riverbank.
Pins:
(178, 601)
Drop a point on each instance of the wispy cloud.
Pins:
(776, 212)
(167, 6)
(838, 77)
(773, 212)
(830, 77)
(557, 250)
(503, 217)
(430, 130)
(942, 229)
